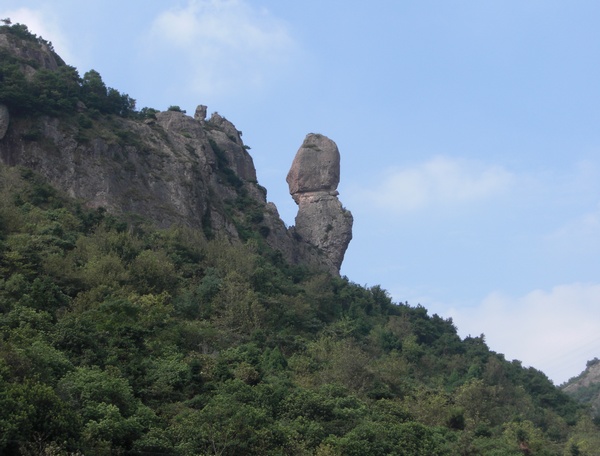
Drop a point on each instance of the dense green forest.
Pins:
(122, 339)
(118, 338)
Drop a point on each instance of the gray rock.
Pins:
(4, 120)
(169, 174)
(321, 221)
(30, 51)
(218, 122)
(173, 170)
(200, 114)
(316, 166)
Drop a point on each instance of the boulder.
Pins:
(316, 166)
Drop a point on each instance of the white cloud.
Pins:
(554, 331)
(224, 45)
(579, 235)
(44, 24)
(440, 180)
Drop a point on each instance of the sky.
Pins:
(468, 131)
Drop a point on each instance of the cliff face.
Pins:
(161, 170)
(172, 170)
(31, 53)
(167, 169)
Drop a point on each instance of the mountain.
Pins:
(164, 167)
(153, 303)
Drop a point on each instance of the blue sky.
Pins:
(468, 130)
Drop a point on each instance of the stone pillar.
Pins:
(200, 113)
(313, 179)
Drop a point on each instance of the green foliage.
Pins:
(54, 92)
(586, 394)
(14, 88)
(21, 31)
(33, 415)
(147, 113)
(117, 340)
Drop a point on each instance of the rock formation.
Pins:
(321, 221)
(34, 54)
(200, 114)
(173, 169)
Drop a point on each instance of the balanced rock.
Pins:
(316, 166)
(321, 221)
(200, 113)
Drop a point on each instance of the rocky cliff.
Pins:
(166, 168)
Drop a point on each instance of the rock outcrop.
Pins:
(173, 169)
(34, 54)
(321, 221)
(200, 114)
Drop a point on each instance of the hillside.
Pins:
(167, 168)
(131, 324)
(585, 388)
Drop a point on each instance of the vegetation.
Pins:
(50, 92)
(585, 388)
(129, 340)
(176, 109)
(123, 339)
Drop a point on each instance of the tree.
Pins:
(120, 104)
(32, 416)
(94, 90)
(108, 409)
(153, 272)
(14, 89)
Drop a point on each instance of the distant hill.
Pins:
(585, 388)
(153, 303)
